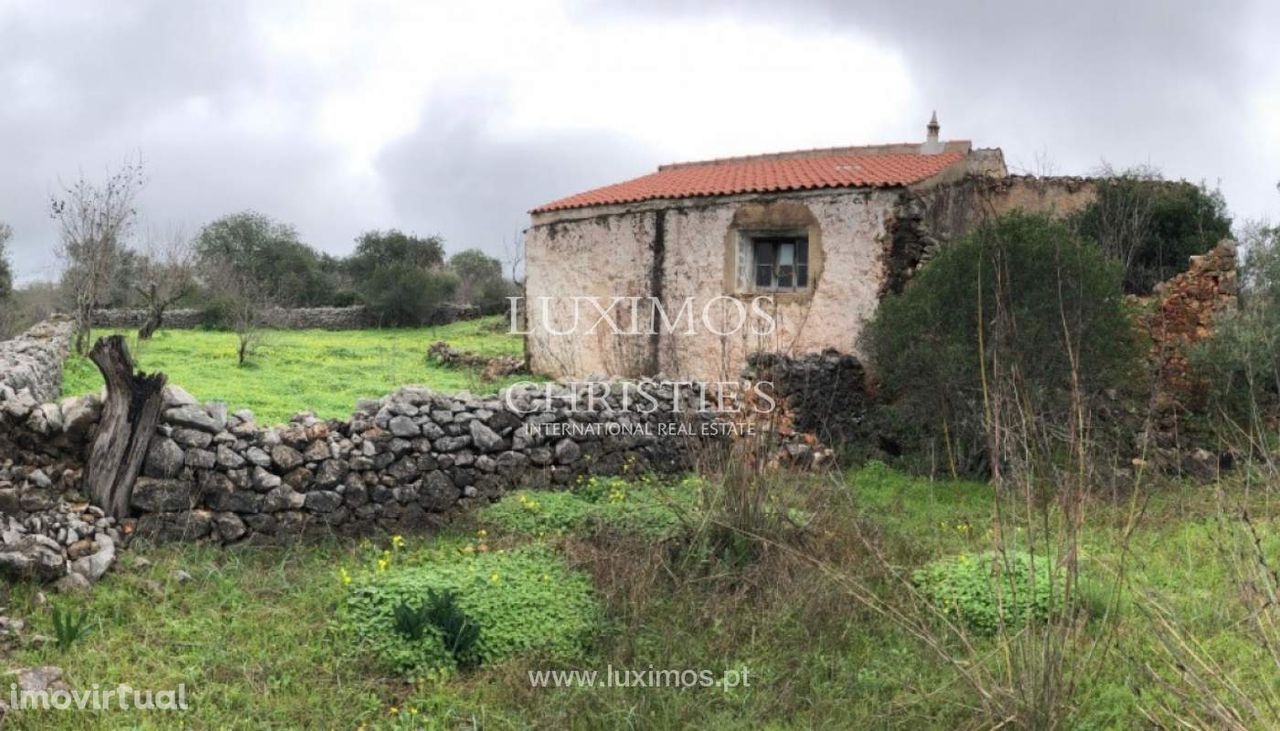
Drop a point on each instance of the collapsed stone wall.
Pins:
(280, 318)
(491, 368)
(1181, 314)
(47, 533)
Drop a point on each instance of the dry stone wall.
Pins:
(822, 394)
(403, 463)
(280, 318)
(47, 532)
(31, 364)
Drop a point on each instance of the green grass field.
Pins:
(322, 371)
(255, 635)
(1175, 620)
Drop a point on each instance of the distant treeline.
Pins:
(244, 262)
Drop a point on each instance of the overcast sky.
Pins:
(452, 119)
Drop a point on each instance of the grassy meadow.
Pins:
(826, 621)
(327, 371)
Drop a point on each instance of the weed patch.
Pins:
(646, 508)
(991, 590)
(450, 610)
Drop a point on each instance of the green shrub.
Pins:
(270, 256)
(401, 277)
(1152, 226)
(646, 508)
(450, 610)
(988, 590)
(480, 281)
(1015, 301)
(407, 297)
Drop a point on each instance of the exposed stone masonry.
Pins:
(824, 394)
(1183, 313)
(403, 463)
(44, 537)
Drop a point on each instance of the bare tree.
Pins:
(513, 254)
(166, 274)
(242, 300)
(94, 220)
(1124, 219)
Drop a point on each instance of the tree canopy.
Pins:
(271, 254)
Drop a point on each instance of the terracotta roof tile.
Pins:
(805, 170)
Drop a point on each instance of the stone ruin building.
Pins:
(678, 258)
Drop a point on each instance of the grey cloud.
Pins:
(456, 176)
(88, 84)
(1144, 82)
(84, 84)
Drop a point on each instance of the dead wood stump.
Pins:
(129, 417)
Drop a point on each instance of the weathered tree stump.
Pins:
(129, 417)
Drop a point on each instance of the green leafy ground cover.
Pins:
(327, 370)
(303, 637)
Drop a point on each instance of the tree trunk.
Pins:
(155, 318)
(129, 418)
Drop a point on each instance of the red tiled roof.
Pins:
(805, 170)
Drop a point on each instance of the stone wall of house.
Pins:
(684, 254)
(864, 244)
(923, 220)
(599, 257)
(279, 318)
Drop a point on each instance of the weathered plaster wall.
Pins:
(844, 292)
(599, 257)
(613, 253)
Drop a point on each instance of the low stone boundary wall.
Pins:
(400, 464)
(404, 463)
(31, 363)
(279, 318)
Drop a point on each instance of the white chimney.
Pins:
(932, 145)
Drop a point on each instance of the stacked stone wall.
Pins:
(279, 318)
